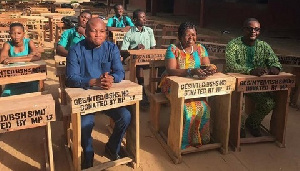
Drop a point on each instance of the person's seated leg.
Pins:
(139, 75)
(264, 104)
(122, 118)
(87, 124)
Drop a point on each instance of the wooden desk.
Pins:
(294, 62)
(29, 110)
(117, 36)
(143, 57)
(182, 88)
(248, 84)
(83, 102)
(23, 72)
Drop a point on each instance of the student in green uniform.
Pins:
(73, 35)
(119, 22)
(19, 49)
(139, 37)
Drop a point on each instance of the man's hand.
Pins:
(273, 71)
(258, 71)
(106, 81)
(141, 46)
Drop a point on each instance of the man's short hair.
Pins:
(85, 11)
(135, 14)
(116, 6)
(249, 20)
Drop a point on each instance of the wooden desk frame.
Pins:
(49, 105)
(143, 57)
(279, 116)
(29, 76)
(132, 133)
(221, 105)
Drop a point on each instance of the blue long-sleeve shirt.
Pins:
(84, 64)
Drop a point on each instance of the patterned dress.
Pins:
(20, 88)
(196, 113)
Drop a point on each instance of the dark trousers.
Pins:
(121, 117)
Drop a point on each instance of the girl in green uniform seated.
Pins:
(19, 49)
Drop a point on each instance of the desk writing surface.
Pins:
(27, 112)
(217, 84)
(143, 57)
(95, 99)
(251, 83)
(22, 72)
(289, 60)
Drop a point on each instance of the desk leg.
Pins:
(133, 135)
(175, 125)
(279, 117)
(51, 29)
(235, 120)
(49, 144)
(42, 88)
(221, 116)
(132, 69)
(76, 140)
(296, 89)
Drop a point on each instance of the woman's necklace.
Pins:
(185, 51)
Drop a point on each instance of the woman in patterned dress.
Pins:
(184, 59)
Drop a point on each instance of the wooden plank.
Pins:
(251, 84)
(202, 148)
(26, 95)
(96, 99)
(289, 60)
(22, 72)
(257, 139)
(279, 116)
(110, 164)
(176, 122)
(76, 139)
(220, 114)
(133, 134)
(217, 84)
(49, 144)
(235, 119)
(164, 144)
(28, 112)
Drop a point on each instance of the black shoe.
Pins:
(253, 131)
(112, 156)
(243, 133)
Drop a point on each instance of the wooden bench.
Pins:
(280, 85)
(34, 110)
(131, 94)
(60, 72)
(180, 90)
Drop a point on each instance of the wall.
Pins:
(138, 4)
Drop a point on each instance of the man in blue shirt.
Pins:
(96, 62)
(73, 35)
(119, 22)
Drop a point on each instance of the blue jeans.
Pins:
(121, 117)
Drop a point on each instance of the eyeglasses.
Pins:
(251, 29)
